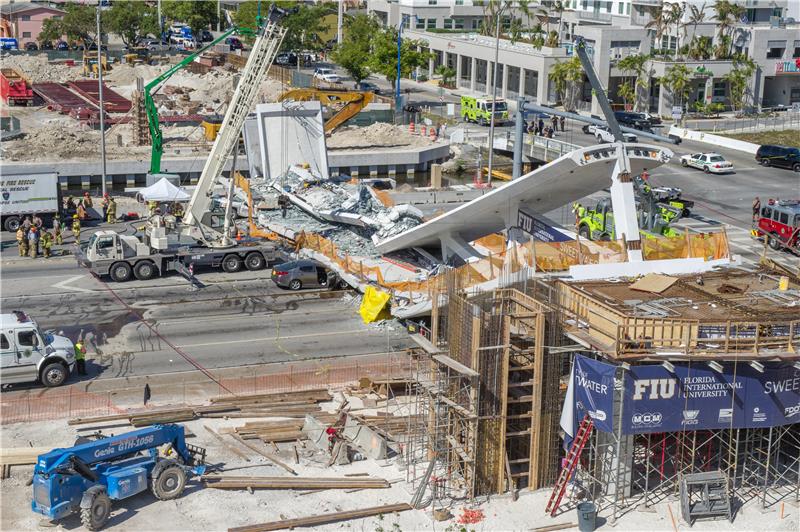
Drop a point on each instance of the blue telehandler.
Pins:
(87, 477)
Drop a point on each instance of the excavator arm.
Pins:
(349, 103)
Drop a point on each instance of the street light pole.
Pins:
(494, 95)
(99, 42)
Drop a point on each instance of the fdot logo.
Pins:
(647, 419)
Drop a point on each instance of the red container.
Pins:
(15, 89)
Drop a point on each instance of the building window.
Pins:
(608, 7)
(796, 49)
(627, 9)
(775, 49)
(433, 2)
(476, 24)
(431, 23)
(459, 23)
(448, 24)
(26, 18)
(420, 25)
(459, 2)
(621, 8)
(26, 35)
(719, 89)
(585, 5)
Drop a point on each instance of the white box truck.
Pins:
(27, 194)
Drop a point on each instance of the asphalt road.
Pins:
(163, 325)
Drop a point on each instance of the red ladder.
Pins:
(584, 430)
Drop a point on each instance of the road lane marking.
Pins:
(273, 338)
(62, 285)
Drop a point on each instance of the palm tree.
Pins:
(659, 24)
(544, 16)
(559, 6)
(568, 78)
(696, 16)
(635, 65)
(726, 16)
(674, 16)
(676, 79)
(739, 81)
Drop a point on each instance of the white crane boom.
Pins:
(261, 57)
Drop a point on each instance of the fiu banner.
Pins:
(696, 397)
(593, 386)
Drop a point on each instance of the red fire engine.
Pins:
(779, 222)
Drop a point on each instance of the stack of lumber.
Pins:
(245, 482)
(389, 426)
(19, 456)
(322, 519)
(279, 431)
(286, 404)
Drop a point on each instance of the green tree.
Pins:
(353, 53)
(448, 75)
(636, 65)
(306, 28)
(384, 55)
(627, 92)
(131, 20)
(197, 14)
(568, 79)
(676, 80)
(739, 81)
(79, 23)
(659, 25)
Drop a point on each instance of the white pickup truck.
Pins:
(603, 134)
(27, 354)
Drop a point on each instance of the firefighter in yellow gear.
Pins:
(76, 228)
(47, 243)
(22, 242)
(57, 230)
(33, 242)
(151, 207)
(111, 211)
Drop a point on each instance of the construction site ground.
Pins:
(215, 509)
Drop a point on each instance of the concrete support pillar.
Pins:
(436, 175)
(392, 170)
(473, 74)
(130, 180)
(663, 104)
(709, 89)
(431, 65)
(489, 77)
(504, 81)
(373, 171)
(458, 70)
(541, 89)
(521, 90)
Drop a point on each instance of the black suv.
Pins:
(781, 156)
(634, 120)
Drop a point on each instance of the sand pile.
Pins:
(39, 70)
(379, 134)
(123, 74)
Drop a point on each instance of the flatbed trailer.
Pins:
(121, 259)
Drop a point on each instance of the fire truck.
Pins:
(779, 222)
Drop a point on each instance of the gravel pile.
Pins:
(379, 134)
(39, 70)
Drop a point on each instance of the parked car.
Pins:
(710, 163)
(31, 47)
(234, 43)
(206, 36)
(327, 75)
(780, 156)
(47, 45)
(634, 120)
(603, 134)
(366, 86)
(286, 58)
(61, 45)
(300, 274)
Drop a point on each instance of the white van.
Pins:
(28, 355)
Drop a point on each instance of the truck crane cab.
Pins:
(87, 477)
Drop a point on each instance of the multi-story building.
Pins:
(613, 29)
(24, 20)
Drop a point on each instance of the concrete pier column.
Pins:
(504, 81)
(521, 90)
(473, 74)
(458, 70)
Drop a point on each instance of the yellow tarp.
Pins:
(373, 306)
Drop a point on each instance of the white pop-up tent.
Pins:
(163, 191)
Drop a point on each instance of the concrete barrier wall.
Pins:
(716, 140)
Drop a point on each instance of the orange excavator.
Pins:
(345, 104)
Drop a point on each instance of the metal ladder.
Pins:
(261, 57)
(581, 437)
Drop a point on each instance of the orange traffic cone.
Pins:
(411, 128)
(424, 130)
(433, 133)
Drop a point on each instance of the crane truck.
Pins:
(210, 233)
(87, 477)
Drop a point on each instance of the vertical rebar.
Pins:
(99, 43)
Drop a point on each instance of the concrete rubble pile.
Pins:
(38, 70)
(346, 204)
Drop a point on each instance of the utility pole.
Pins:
(399, 48)
(494, 94)
(340, 23)
(99, 41)
(160, 29)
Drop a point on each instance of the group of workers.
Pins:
(538, 127)
(83, 205)
(175, 209)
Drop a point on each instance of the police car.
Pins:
(710, 163)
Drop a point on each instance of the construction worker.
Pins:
(151, 207)
(76, 228)
(80, 357)
(104, 204)
(177, 211)
(756, 208)
(26, 224)
(57, 229)
(33, 242)
(580, 212)
(22, 241)
(47, 243)
(562, 121)
(37, 221)
(111, 211)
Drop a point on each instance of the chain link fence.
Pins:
(789, 119)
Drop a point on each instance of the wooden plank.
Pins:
(21, 455)
(455, 365)
(264, 454)
(425, 344)
(553, 528)
(324, 518)
(225, 444)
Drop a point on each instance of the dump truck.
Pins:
(479, 110)
(15, 89)
(28, 194)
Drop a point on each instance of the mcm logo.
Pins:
(6, 195)
(653, 388)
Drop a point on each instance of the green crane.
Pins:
(153, 123)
